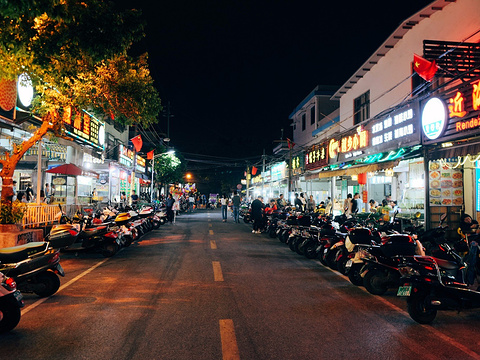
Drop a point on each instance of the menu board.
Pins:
(446, 184)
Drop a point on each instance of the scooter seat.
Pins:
(21, 252)
(95, 229)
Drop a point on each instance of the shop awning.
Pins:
(454, 151)
(359, 169)
(71, 170)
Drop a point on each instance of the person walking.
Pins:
(169, 204)
(298, 203)
(304, 201)
(29, 193)
(257, 214)
(134, 198)
(224, 204)
(281, 203)
(347, 204)
(236, 207)
(191, 202)
(311, 204)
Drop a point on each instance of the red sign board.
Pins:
(316, 157)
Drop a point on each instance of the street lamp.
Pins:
(169, 152)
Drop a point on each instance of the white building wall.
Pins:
(455, 22)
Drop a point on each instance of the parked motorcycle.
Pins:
(432, 284)
(34, 267)
(11, 301)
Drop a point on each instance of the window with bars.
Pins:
(361, 108)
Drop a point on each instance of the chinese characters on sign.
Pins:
(316, 157)
(83, 125)
(387, 130)
(457, 109)
(349, 144)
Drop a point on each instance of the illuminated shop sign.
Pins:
(140, 164)
(434, 118)
(125, 155)
(297, 164)
(456, 114)
(84, 127)
(316, 157)
(349, 145)
(278, 171)
(392, 128)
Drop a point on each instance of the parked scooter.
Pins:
(11, 301)
(432, 284)
(34, 266)
(91, 236)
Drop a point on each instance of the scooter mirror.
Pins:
(443, 217)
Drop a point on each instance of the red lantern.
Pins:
(362, 178)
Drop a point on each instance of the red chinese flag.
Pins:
(290, 143)
(137, 142)
(254, 170)
(424, 68)
(150, 155)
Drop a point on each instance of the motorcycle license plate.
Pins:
(349, 263)
(18, 295)
(60, 270)
(404, 291)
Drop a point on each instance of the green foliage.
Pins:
(12, 213)
(169, 169)
(76, 54)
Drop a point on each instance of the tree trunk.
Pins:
(11, 160)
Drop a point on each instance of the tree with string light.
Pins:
(75, 53)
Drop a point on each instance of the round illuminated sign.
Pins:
(434, 118)
(25, 90)
(101, 135)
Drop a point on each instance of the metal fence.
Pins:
(41, 215)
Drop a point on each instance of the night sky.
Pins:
(233, 71)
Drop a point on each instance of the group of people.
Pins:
(234, 202)
(28, 196)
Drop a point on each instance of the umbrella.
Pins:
(66, 169)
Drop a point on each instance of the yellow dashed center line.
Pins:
(209, 225)
(210, 232)
(213, 244)
(217, 271)
(229, 340)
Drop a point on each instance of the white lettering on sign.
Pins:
(377, 127)
(406, 115)
(377, 140)
(388, 136)
(387, 123)
(403, 131)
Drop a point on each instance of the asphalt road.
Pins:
(204, 289)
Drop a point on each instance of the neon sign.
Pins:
(434, 118)
(348, 143)
(456, 110)
(466, 125)
(84, 126)
(316, 157)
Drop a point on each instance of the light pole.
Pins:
(170, 152)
